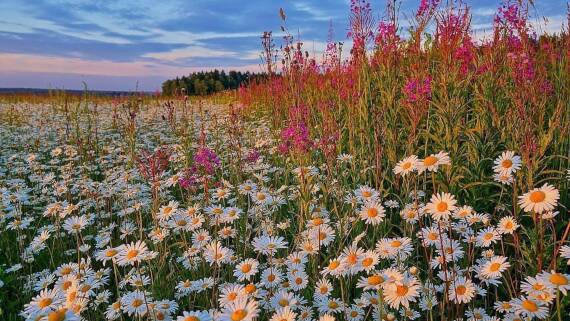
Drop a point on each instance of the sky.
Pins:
(137, 44)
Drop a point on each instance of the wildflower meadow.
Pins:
(420, 174)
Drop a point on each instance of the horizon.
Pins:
(127, 45)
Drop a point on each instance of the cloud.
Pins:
(145, 38)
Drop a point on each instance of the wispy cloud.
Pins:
(146, 38)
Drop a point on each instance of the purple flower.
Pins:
(206, 161)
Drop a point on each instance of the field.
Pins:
(423, 177)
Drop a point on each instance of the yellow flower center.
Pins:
(58, 315)
(246, 268)
(375, 279)
(232, 296)
(395, 243)
(558, 279)
(283, 302)
(537, 196)
(529, 306)
(430, 160)
(271, 277)
(131, 254)
(333, 265)
(238, 315)
(495, 267)
(137, 303)
(367, 193)
(507, 163)
(401, 290)
(44, 302)
(372, 212)
(250, 288)
(110, 253)
(191, 318)
(406, 165)
(333, 304)
(367, 262)
(442, 207)
(460, 290)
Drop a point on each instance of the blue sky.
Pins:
(125, 44)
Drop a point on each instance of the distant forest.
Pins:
(208, 82)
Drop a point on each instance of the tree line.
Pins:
(208, 82)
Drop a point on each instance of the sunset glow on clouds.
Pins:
(112, 45)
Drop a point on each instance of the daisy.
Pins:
(323, 288)
(410, 213)
(368, 261)
(462, 212)
(329, 305)
(394, 247)
(508, 163)
(461, 290)
(298, 280)
(354, 313)
(537, 289)
(215, 253)
(495, 267)
(268, 245)
(231, 293)
(136, 303)
(366, 194)
(487, 237)
(130, 254)
(540, 199)
(323, 235)
(283, 299)
(432, 162)
(326, 317)
(372, 282)
(335, 267)
(350, 257)
(271, 277)
(505, 179)
(75, 224)
(431, 235)
(372, 213)
(194, 316)
(556, 280)
(406, 165)
(284, 314)
(61, 315)
(165, 212)
(529, 307)
(441, 205)
(246, 269)
(401, 292)
(113, 311)
(507, 225)
(107, 254)
(240, 310)
(46, 301)
(344, 158)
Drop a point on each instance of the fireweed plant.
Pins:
(423, 177)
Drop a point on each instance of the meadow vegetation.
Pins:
(425, 176)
